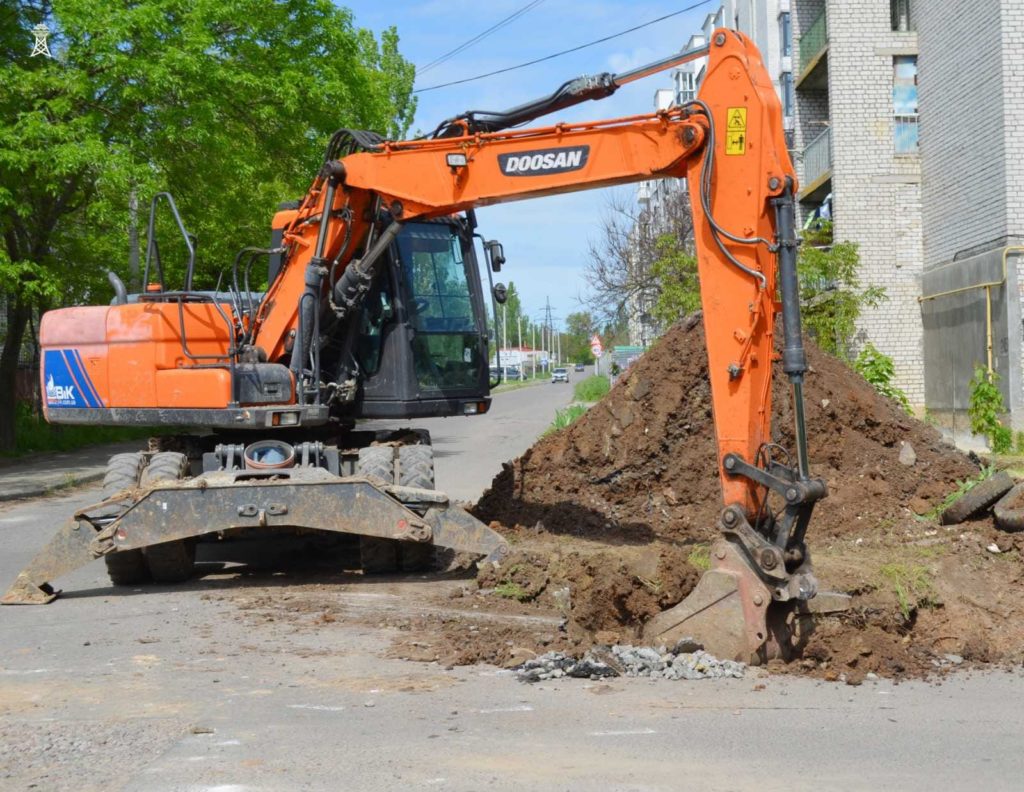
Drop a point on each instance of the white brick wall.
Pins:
(1012, 24)
(965, 141)
(877, 194)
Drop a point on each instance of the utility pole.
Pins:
(559, 346)
(533, 349)
(522, 368)
(547, 321)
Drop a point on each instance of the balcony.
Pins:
(817, 170)
(814, 55)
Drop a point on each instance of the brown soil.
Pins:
(614, 505)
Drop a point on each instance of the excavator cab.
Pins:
(422, 344)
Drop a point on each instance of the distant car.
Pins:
(560, 375)
(580, 367)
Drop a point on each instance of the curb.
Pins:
(37, 491)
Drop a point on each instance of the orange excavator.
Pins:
(375, 309)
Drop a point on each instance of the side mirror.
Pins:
(500, 293)
(496, 253)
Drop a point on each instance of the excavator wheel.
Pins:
(168, 562)
(415, 468)
(127, 568)
(378, 556)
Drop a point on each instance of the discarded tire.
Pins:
(127, 568)
(1009, 510)
(979, 498)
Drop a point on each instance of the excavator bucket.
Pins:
(727, 612)
(221, 502)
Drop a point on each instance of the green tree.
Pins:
(830, 291)
(675, 269)
(580, 328)
(225, 103)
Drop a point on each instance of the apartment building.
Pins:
(972, 166)
(857, 154)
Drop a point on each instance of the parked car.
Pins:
(560, 375)
(581, 367)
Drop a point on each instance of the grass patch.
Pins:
(962, 489)
(566, 417)
(700, 557)
(912, 584)
(510, 590)
(32, 435)
(591, 389)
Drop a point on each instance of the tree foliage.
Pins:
(830, 291)
(985, 407)
(225, 103)
(675, 269)
(631, 263)
(579, 329)
(878, 369)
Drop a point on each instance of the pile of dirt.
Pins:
(619, 508)
(642, 464)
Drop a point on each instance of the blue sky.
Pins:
(545, 239)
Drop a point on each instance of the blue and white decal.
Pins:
(67, 383)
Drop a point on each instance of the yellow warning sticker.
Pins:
(736, 131)
(735, 142)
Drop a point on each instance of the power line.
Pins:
(479, 37)
(566, 51)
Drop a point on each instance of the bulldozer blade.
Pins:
(727, 612)
(70, 549)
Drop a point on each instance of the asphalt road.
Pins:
(196, 688)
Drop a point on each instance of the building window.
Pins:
(786, 83)
(785, 34)
(686, 87)
(900, 10)
(904, 102)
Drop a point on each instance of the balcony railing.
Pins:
(817, 158)
(813, 41)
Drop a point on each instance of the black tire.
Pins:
(416, 469)
(378, 556)
(128, 567)
(1008, 517)
(416, 466)
(378, 462)
(169, 562)
(979, 498)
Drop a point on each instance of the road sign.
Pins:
(595, 346)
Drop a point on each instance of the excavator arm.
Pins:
(729, 146)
